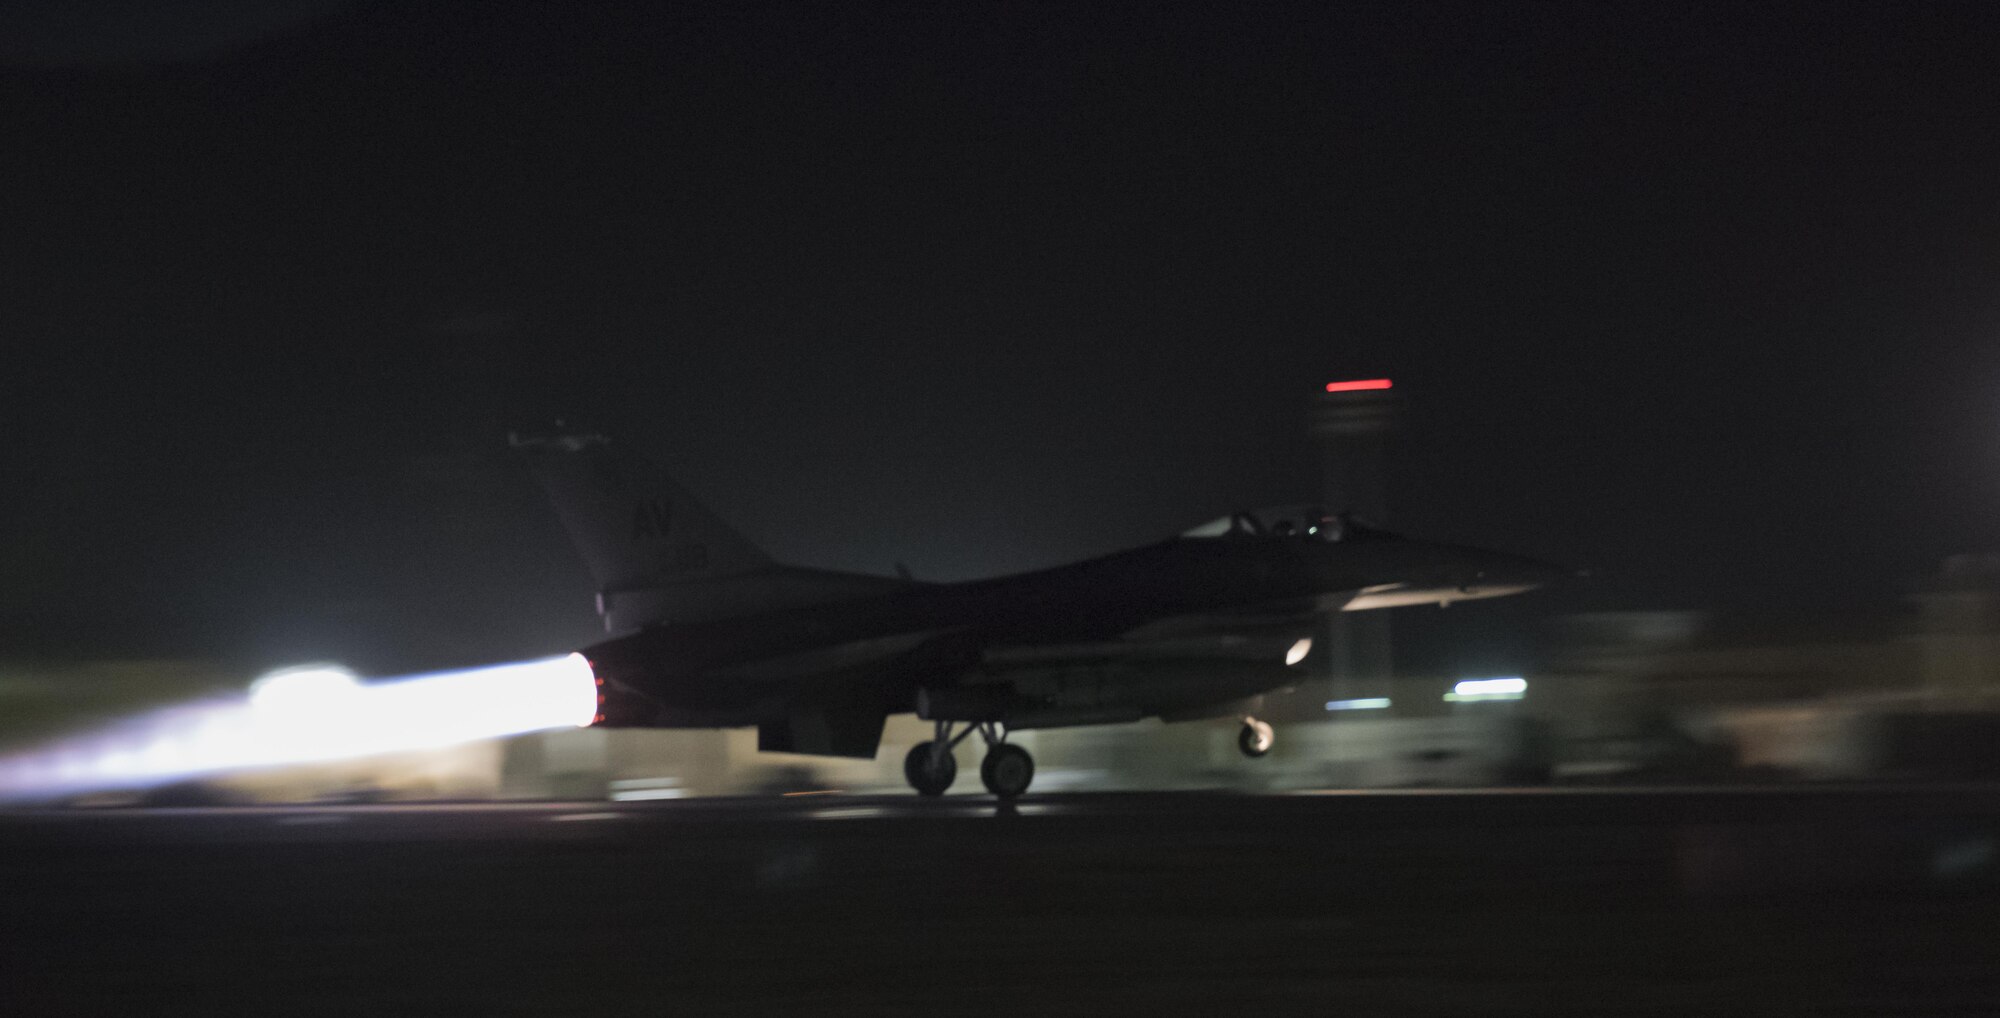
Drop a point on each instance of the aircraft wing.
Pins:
(1189, 647)
(1271, 620)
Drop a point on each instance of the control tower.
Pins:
(1350, 422)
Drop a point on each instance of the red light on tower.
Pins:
(1360, 386)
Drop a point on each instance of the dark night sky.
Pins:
(1706, 298)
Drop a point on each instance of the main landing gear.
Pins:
(1006, 771)
(1256, 738)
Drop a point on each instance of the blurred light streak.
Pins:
(309, 715)
(1359, 386)
(639, 789)
(1365, 703)
(1512, 687)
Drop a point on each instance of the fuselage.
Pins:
(721, 635)
(931, 635)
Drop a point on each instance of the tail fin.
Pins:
(658, 556)
(636, 528)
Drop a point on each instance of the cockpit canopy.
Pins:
(1297, 522)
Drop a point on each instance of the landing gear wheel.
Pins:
(1256, 738)
(1007, 770)
(928, 771)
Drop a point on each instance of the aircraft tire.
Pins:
(928, 777)
(1007, 770)
(1255, 739)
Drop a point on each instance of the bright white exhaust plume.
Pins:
(305, 715)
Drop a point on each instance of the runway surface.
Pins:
(1738, 901)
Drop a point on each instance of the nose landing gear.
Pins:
(1256, 738)
(1007, 770)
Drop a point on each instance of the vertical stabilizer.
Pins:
(635, 527)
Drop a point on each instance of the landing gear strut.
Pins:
(1256, 738)
(1006, 771)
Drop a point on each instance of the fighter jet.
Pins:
(711, 633)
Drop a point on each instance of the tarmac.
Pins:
(1745, 900)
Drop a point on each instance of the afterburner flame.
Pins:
(310, 715)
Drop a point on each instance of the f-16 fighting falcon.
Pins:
(710, 633)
